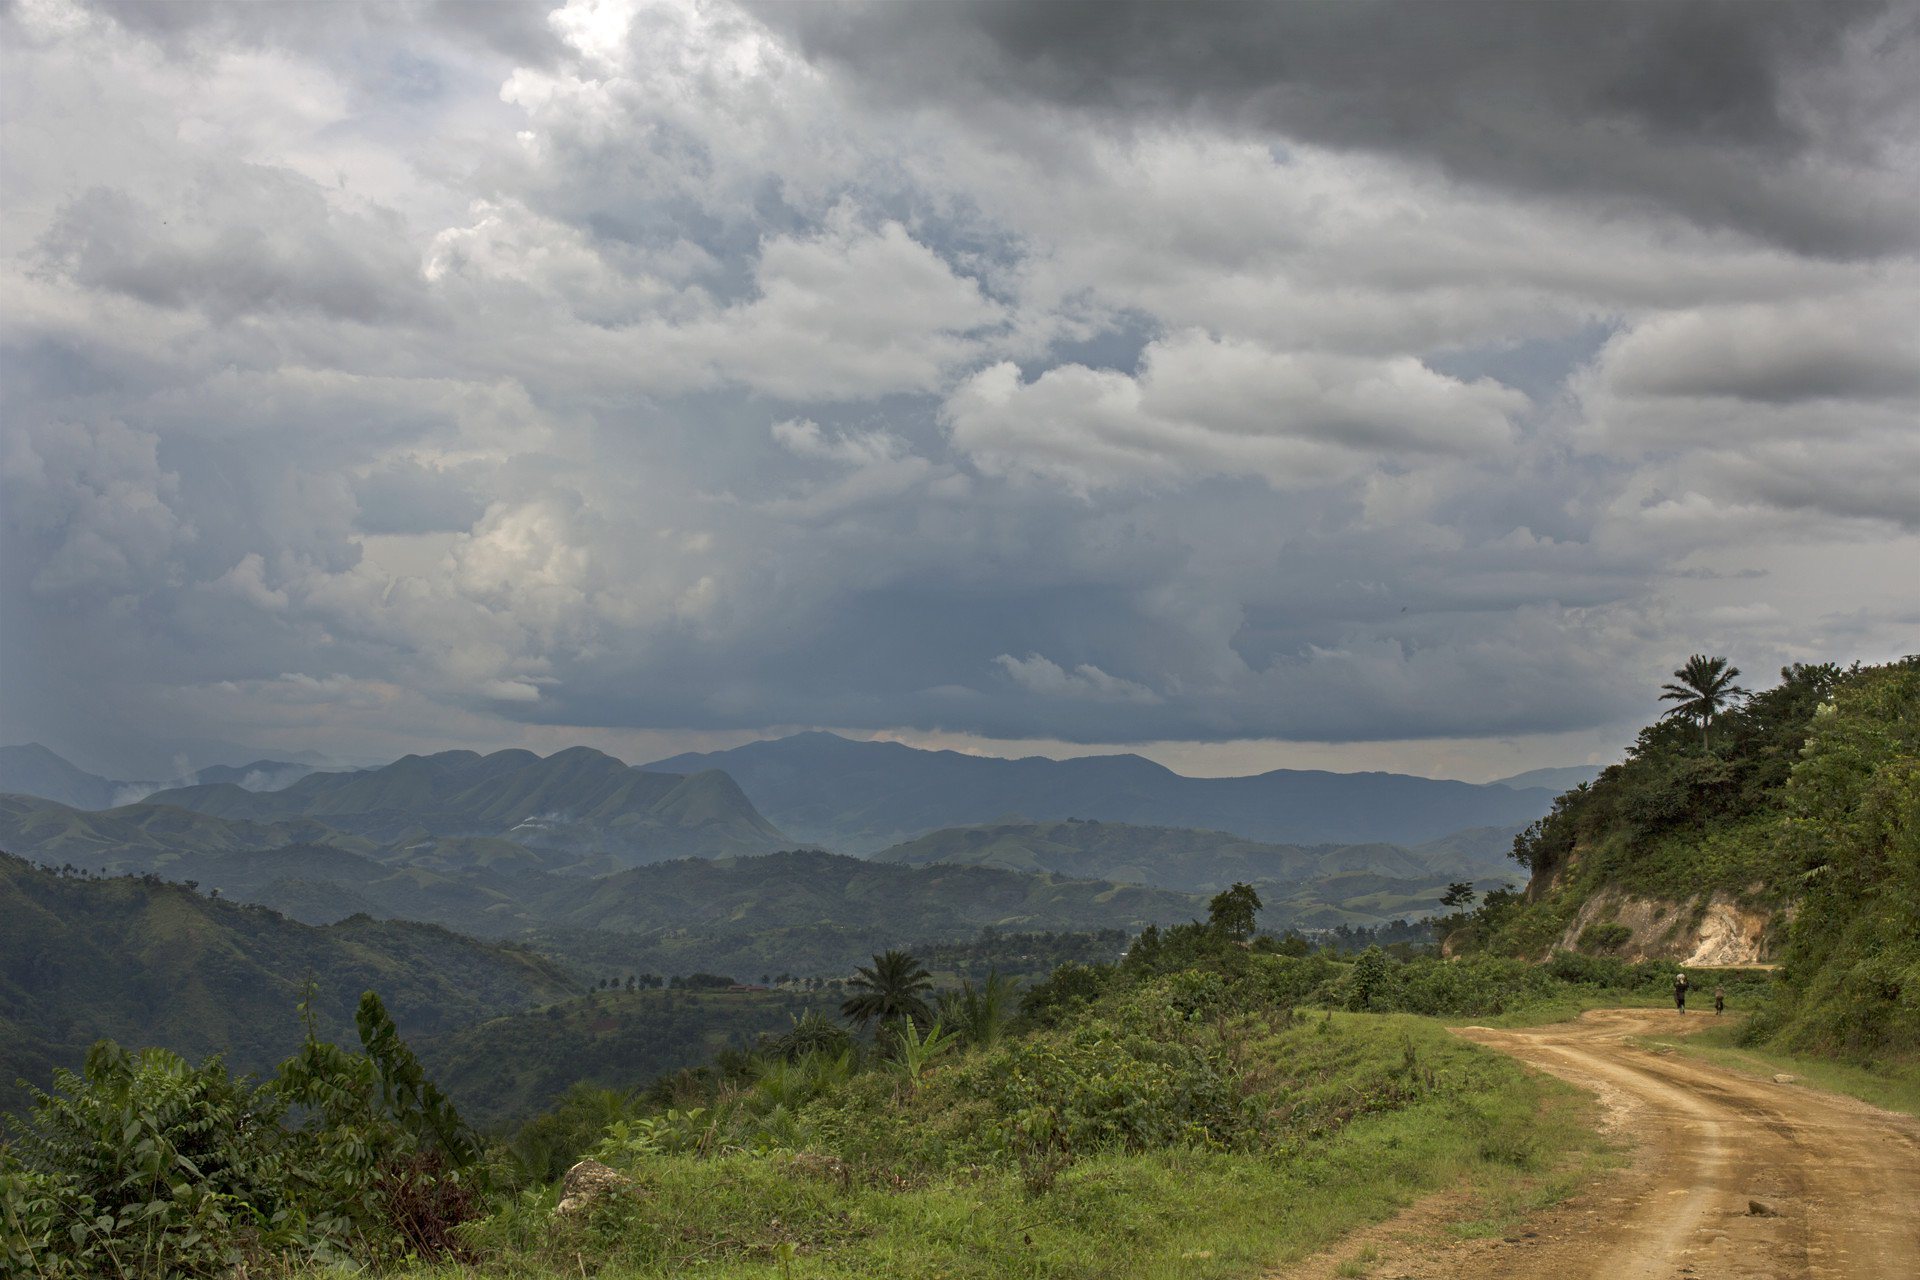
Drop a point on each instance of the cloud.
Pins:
(1727, 115)
(1049, 679)
(428, 374)
(1858, 346)
(847, 314)
(1201, 407)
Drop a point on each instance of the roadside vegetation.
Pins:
(1805, 795)
(1208, 1105)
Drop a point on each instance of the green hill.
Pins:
(885, 901)
(806, 912)
(147, 962)
(147, 836)
(1191, 860)
(578, 800)
(1792, 834)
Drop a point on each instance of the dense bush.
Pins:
(1850, 982)
(141, 1164)
(1638, 825)
(1604, 937)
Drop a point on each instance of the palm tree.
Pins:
(979, 1014)
(888, 991)
(1705, 686)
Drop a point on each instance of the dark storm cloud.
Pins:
(389, 376)
(1726, 113)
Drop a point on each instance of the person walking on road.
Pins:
(1719, 1001)
(1680, 991)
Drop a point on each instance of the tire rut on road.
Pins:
(1837, 1181)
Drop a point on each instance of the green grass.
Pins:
(1893, 1086)
(1172, 1212)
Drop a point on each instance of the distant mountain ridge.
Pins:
(34, 770)
(862, 797)
(578, 800)
(1556, 780)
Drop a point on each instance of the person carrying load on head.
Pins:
(1680, 991)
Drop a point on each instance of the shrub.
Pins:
(1604, 937)
(144, 1164)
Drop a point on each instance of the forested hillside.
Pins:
(1183, 858)
(813, 912)
(579, 800)
(1793, 813)
(147, 962)
(1850, 843)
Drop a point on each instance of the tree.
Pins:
(1368, 978)
(979, 1014)
(1458, 894)
(1232, 912)
(1704, 686)
(891, 989)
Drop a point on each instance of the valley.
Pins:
(1061, 1007)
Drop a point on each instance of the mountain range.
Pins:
(861, 797)
(578, 800)
(34, 770)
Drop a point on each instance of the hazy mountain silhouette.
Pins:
(578, 799)
(864, 796)
(35, 770)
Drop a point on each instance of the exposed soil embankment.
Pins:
(1709, 929)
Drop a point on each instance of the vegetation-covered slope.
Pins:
(1800, 805)
(1850, 981)
(504, 1070)
(147, 962)
(147, 836)
(1192, 860)
(1196, 861)
(864, 796)
(881, 900)
(1678, 821)
(578, 799)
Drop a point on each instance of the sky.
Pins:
(1313, 385)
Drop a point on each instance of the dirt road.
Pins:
(1729, 1176)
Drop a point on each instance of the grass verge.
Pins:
(1182, 1211)
(1893, 1087)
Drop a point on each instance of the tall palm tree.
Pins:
(1705, 686)
(890, 990)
